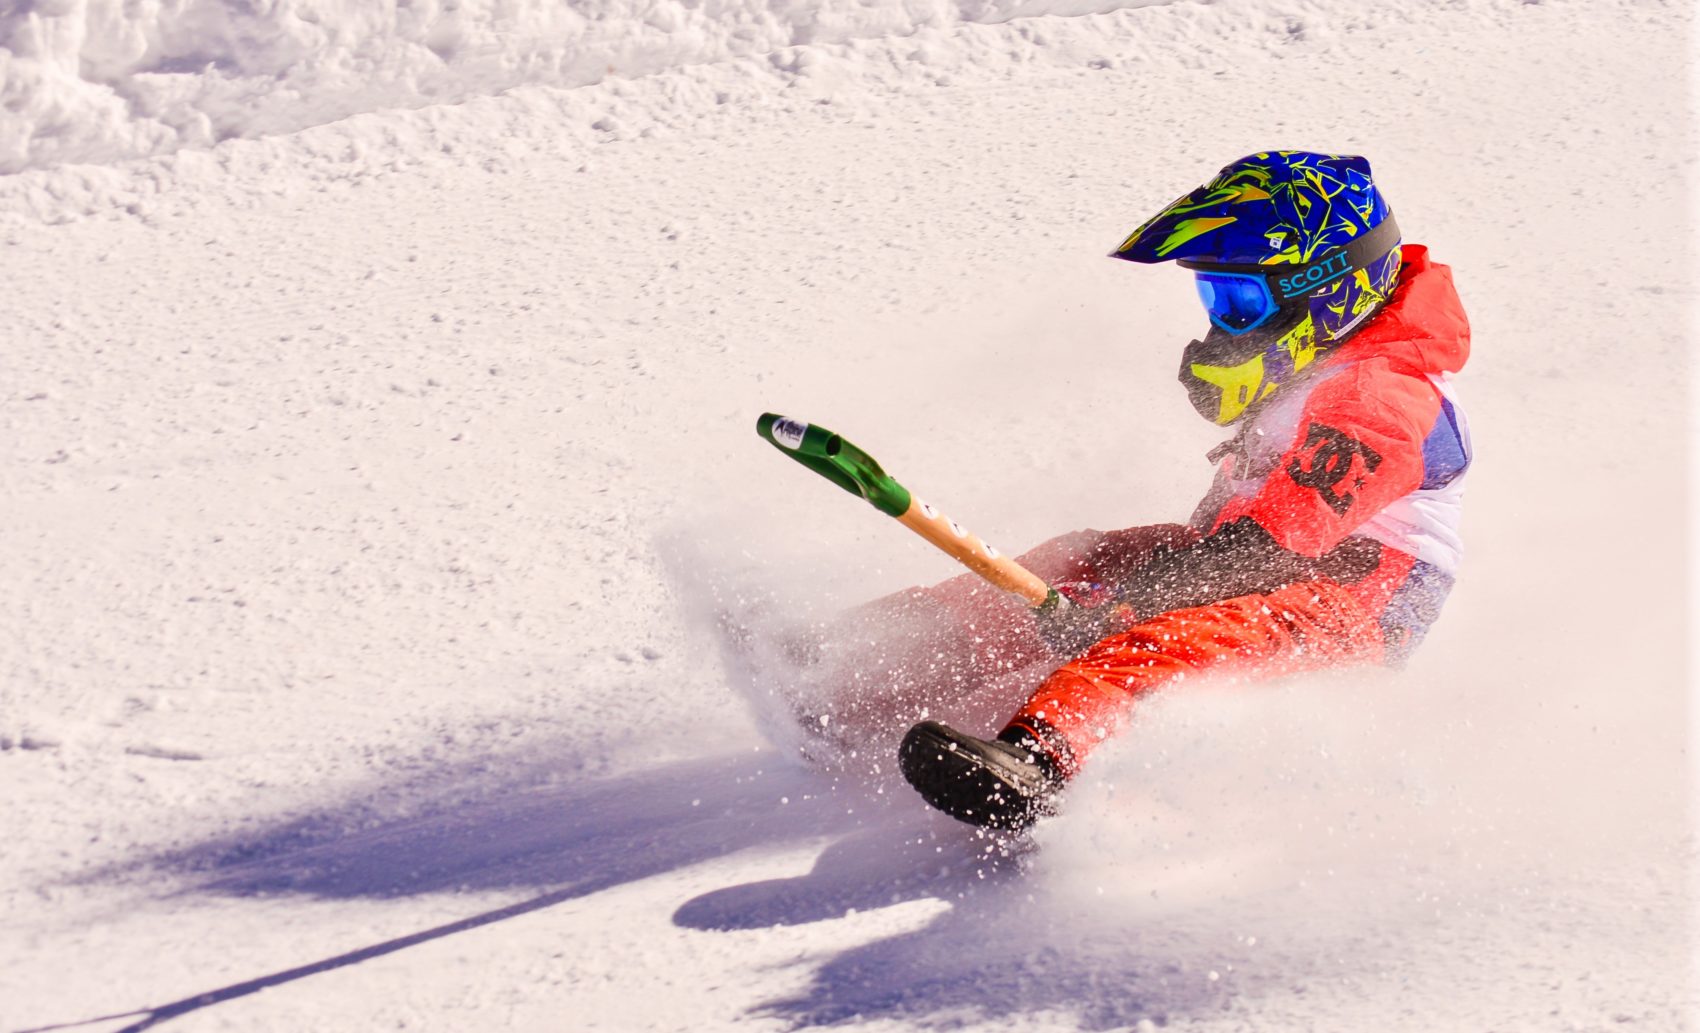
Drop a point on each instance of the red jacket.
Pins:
(1348, 441)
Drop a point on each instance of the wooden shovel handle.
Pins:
(973, 553)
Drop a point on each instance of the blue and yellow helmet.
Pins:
(1291, 252)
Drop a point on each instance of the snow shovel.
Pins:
(855, 471)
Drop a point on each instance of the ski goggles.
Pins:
(1244, 297)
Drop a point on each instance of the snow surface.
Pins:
(373, 482)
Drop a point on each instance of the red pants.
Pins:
(966, 650)
(1297, 628)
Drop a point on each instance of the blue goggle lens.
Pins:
(1237, 302)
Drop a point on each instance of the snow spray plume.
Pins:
(855, 471)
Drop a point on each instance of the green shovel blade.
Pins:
(835, 459)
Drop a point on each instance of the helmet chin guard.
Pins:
(1226, 374)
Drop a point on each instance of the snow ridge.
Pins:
(104, 80)
(843, 81)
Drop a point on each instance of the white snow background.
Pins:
(378, 385)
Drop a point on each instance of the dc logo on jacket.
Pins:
(1330, 462)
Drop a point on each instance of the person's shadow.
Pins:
(989, 947)
(995, 950)
(904, 859)
(564, 841)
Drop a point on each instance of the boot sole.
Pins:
(954, 778)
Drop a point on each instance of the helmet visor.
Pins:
(1237, 302)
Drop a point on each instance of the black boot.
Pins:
(995, 784)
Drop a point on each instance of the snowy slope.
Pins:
(368, 485)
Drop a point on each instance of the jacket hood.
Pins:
(1423, 328)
